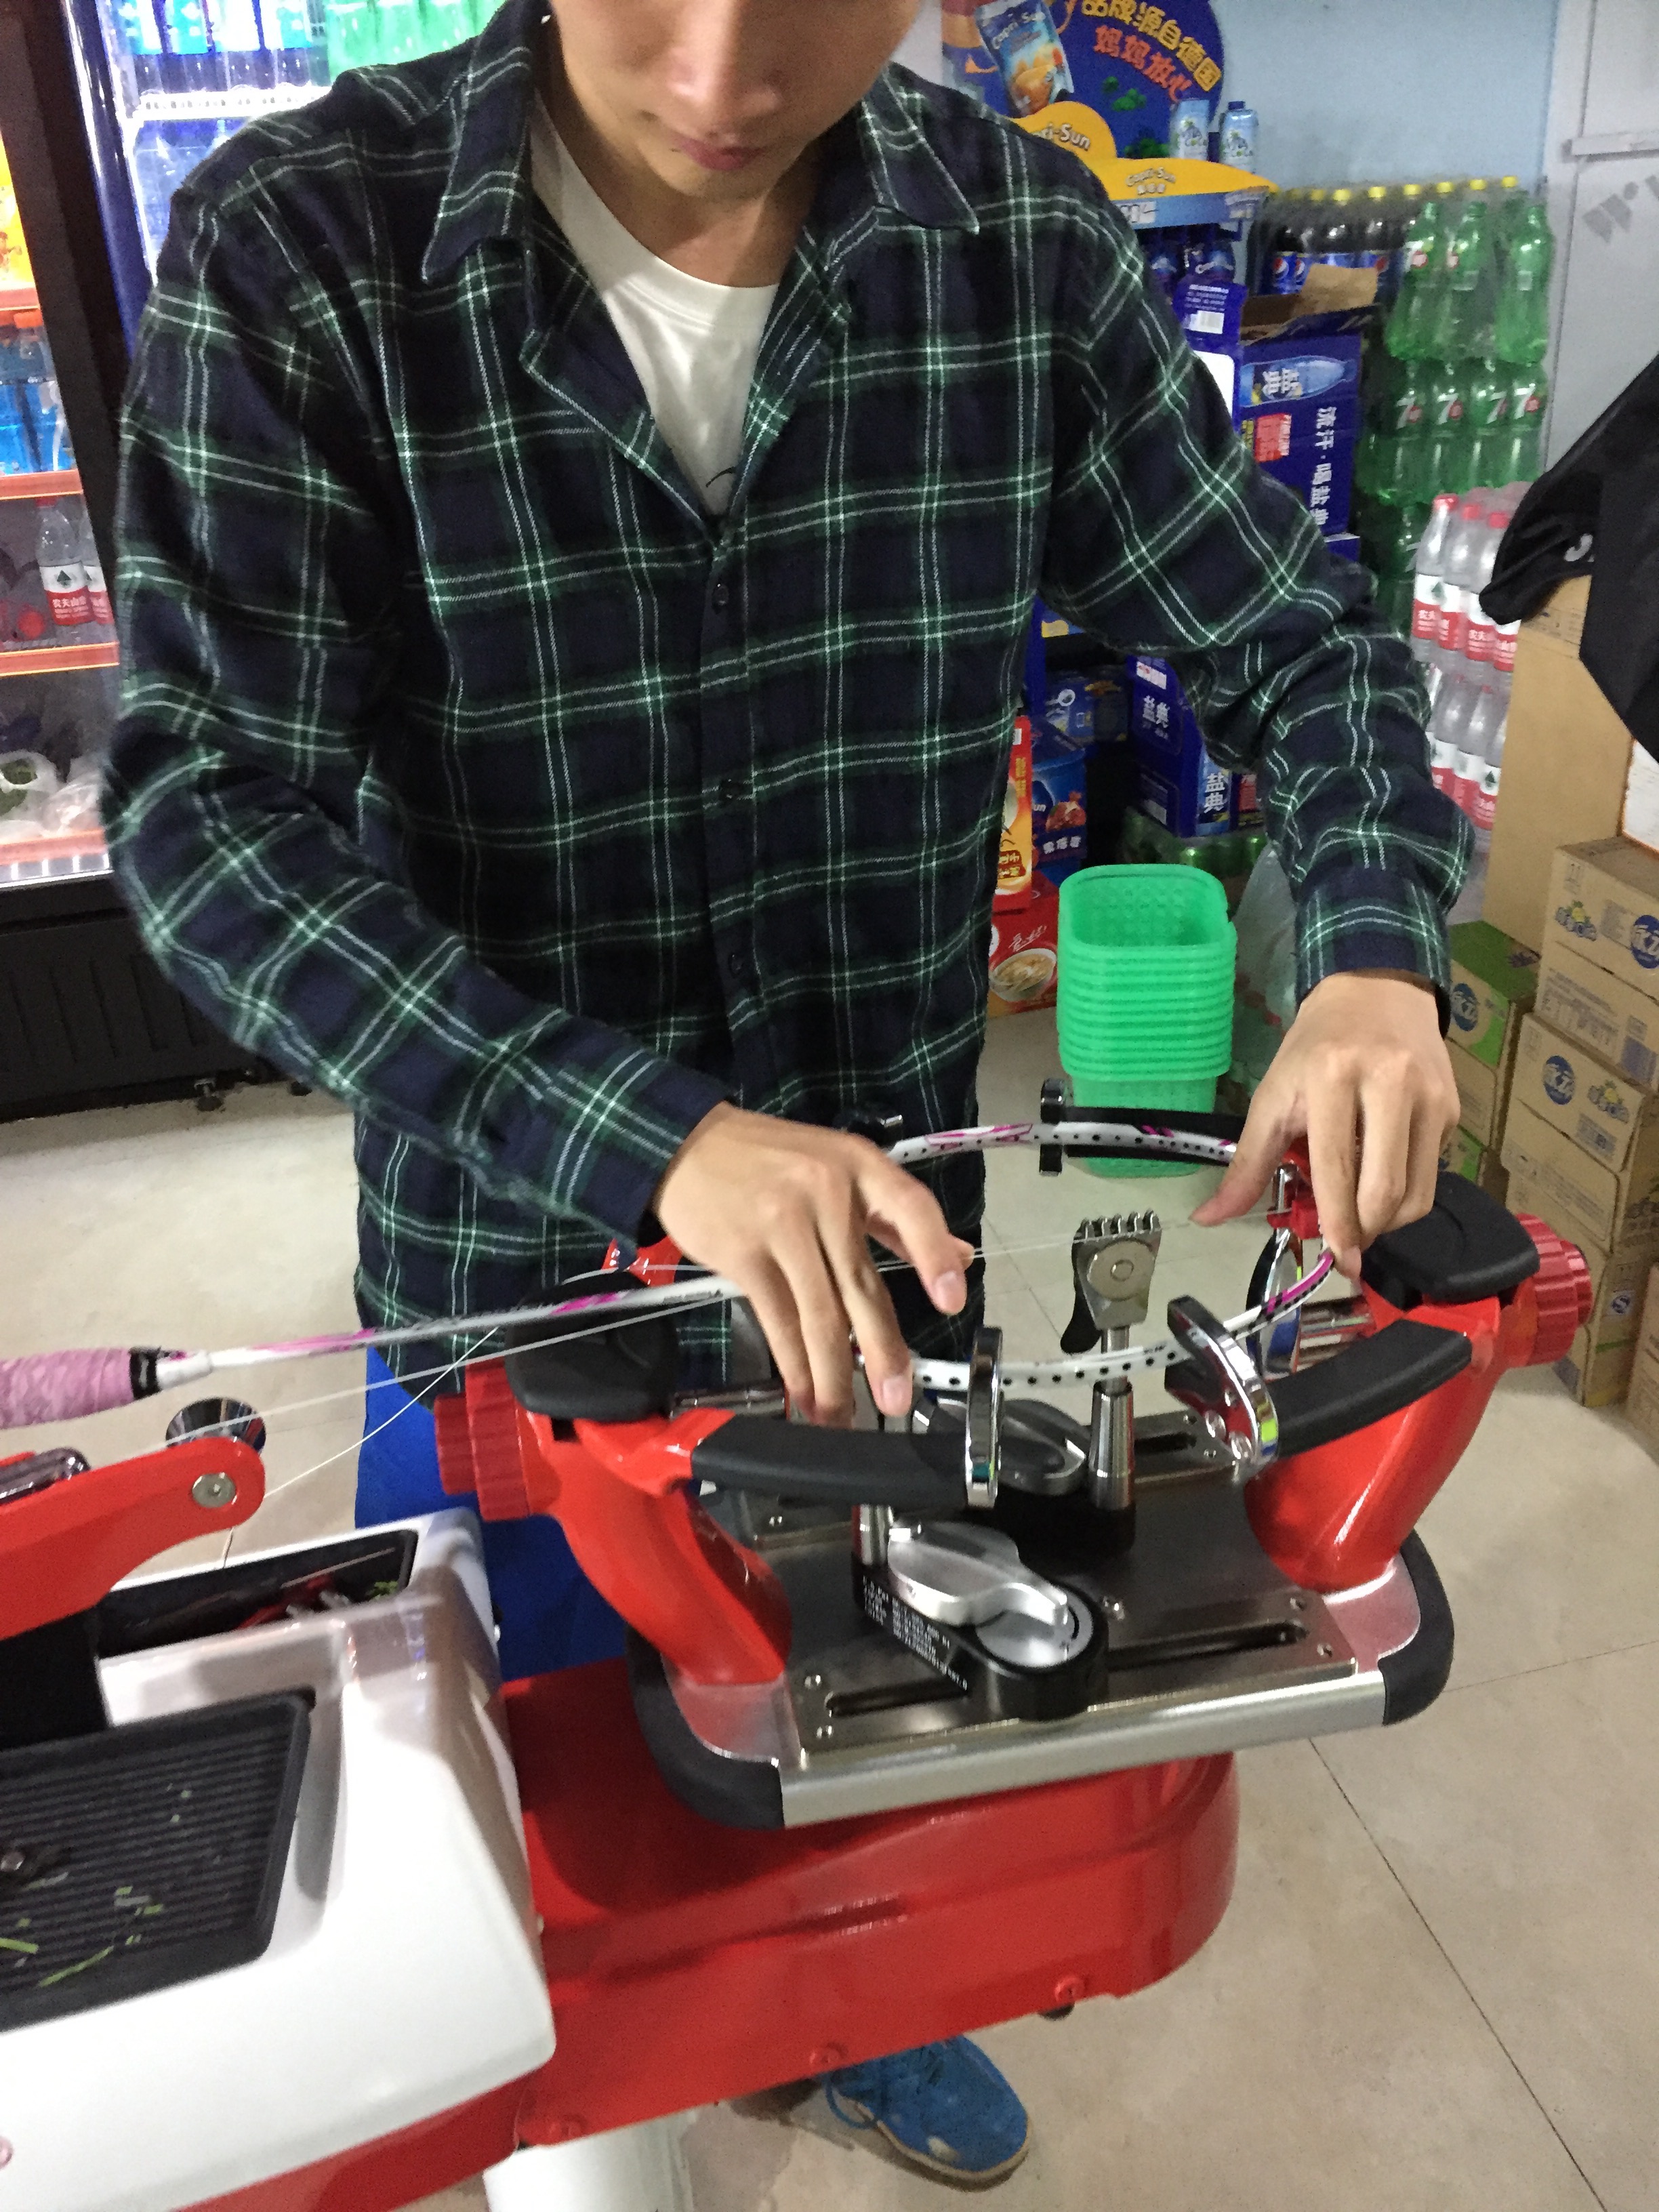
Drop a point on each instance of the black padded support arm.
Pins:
(1371, 1379)
(835, 1466)
(1468, 1248)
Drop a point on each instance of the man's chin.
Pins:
(719, 187)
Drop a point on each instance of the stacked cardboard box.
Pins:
(1288, 367)
(1581, 1139)
(1493, 981)
(1643, 1404)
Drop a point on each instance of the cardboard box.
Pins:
(1618, 1279)
(1640, 820)
(1025, 952)
(1320, 472)
(1494, 981)
(1180, 785)
(1597, 1374)
(1476, 1162)
(1288, 367)
(1566, 759)
(1604, 905)
(1581, 1001)
(1574, 1089)
(1643, 1408)
(1578, 1195)
(1015, 858)
(1059, 804)
(1597, 1367)
(1481, 1093)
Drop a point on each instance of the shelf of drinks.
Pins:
(42, 484)
(78, 854)
(56, 659)
(215, 103)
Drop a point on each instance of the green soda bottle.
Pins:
(1487, 414)
(1466, 307)
(403, 31)
(1529, 398)
(350, 33)
(1411, 324)
(1521, 333)
(1397, 458)
(1447, 463)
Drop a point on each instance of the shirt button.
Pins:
(737, 964)
(731, 788)
(720, 598)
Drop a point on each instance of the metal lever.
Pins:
(1113, 1260)
(1218, 1380)
(962, 1576)
(36, 1471)
(983, 1434)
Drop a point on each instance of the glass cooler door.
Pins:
(58, 651)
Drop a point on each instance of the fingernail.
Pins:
(950, 1292)
(893, 1395)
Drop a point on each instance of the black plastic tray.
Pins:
(145, 1855)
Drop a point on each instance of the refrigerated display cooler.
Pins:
(102, 111)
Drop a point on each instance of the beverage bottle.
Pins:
(1286, 266)
(187, 36)
(349, 30)
(1466, 308)
(138, 32)
(1484, 750)
(37, 393)
(64, 579)
(1166, 258)
(17, 440)
(1407, 205)
(30, 618)
(1486, 403)
(1393, 465)
(294, 59)
(1427, 592)
(1411, 323)
(447, 22)
(1449, 727)
(1529, 396)
(1339, 238)
(1381, 239)
(1481, 644)
(400, 31)
(1240, 128)
(99, 615)
(1463, 550)
(238, 32)
(1521, 328)
(1446, 460)
(1486, 804)
(1208, 255)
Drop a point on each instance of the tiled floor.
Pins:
(1439, 1983)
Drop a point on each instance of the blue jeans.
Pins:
(550, 1614)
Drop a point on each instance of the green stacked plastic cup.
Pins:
(1145, 996)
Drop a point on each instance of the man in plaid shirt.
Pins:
(584, 496)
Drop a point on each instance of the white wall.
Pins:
(1358, 91)
(920, 50)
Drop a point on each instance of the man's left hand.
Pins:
(1363, 1074)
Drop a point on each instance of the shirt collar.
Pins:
(487, 193)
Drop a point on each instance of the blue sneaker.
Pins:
(944, 2108)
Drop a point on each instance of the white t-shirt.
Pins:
(693, 344)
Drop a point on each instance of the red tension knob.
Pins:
(1562, 1291)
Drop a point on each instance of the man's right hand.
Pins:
(785, 1210)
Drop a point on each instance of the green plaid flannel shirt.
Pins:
(470, 771)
